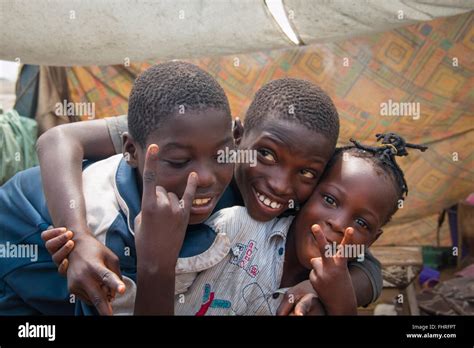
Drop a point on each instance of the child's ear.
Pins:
(237, 131)
(130, 150)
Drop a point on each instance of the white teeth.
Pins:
(267, 201)
(201, 201)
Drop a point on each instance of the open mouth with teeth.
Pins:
(203, 206)
(267, 201)
(201, 201)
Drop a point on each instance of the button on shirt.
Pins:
(245, 281)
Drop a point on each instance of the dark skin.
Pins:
(177, 164)
(289, 155)
(93, 270)
(291, 159)
(349, 206)
(91, 263)
(182, 151)
(160, 230)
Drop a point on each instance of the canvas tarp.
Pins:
(90, 32)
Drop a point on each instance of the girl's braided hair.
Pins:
(383, 156)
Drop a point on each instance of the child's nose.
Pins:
(280, 184)
(206, 177)
(337, 226)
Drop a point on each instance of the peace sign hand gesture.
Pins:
(330, 276)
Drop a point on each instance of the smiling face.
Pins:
(352, 194)
(189, 143)
(290, 161)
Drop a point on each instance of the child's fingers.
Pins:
(56, 243)
(174, 200)
(190, 191)
(109, 292)
(99, 299)
(52, 233)
(348, 236)
(110, 279)
(313, 277)
(303, 307)
(60, 255)
(62, 268)
(348, 239)
(320, 239)
(286, 306)
(150, 172)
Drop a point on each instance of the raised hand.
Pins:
(159, 233)
(330, 276)
(161, 226)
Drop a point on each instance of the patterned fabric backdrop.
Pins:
(431, 63)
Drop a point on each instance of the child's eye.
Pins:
(329, 200)
(267, 155)
(177, 164)
(362, 223)
(308, 174)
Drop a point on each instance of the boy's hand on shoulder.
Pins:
(161, 225)
(301, 300)
(93, 271)
(330, 276)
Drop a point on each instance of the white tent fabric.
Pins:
(90, 32)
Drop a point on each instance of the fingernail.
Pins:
(193, 175)
(69, 244)
(153, 149)
(69, 234)
(121, 288)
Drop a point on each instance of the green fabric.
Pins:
(17, 144)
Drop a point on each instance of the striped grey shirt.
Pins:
(246, 281)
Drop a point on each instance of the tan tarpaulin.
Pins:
(91, 32)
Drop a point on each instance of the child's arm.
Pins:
(61, 151)
(159, 234)
(296, 301)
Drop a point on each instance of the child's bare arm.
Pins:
(362, 286)
(61, 151)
